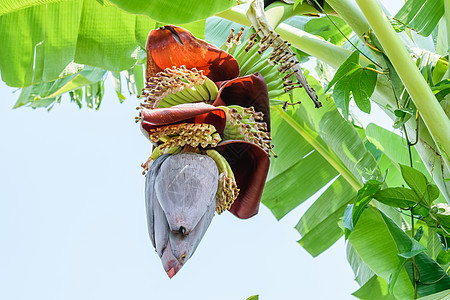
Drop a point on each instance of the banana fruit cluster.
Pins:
(174, 137)
(227, 190)
(246, 124)
(176, 86)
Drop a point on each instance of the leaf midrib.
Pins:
(332, 158)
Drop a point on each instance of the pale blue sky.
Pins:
(73, 225)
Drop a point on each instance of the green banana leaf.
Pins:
(375, 288)
(175, 11)
(314, 146)
(48, 40)
(386, 250)
(373, 242)
(361, 270)
(421, 15)
(396, 149)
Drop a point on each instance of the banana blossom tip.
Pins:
(182, 187)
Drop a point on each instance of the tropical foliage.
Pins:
(387, 195)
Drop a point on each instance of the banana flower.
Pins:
(208, 118)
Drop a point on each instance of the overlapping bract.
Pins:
(180, 201)
(177, 221)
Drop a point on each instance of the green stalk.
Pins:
(431, 111)
(353, 16)
(383, 94)
(278, 11)
(447, 21)
(329, 155)
(235, 14)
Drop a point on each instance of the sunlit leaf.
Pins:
(377, 241)
(323, 27)
(324, 141)
(375, 288)
(421, 15)
(352, 79)
(361, 270)
(49, 41)
(397, 197)
(319, 224)
(175, 11)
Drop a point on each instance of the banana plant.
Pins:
(396, 228)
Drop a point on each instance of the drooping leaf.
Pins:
(282, 201)
(325, 141)
(44, 94)
(49, 40)
(375, 288)
(319, 224)
(377, 241)
(421, 15)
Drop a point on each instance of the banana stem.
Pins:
(353, 16)
(447, 21)
(431, 111)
